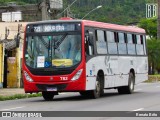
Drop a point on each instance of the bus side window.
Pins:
(144, 44)
(101, 42)
(111, 40)
(131, 44)
(139, 45)
(122, 47)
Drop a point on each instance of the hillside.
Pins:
(113, 11)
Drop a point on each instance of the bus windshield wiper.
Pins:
(43, 41)
(57, 44)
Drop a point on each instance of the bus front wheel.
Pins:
(97, 92)
(48, 96)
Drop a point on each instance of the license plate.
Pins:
(51, 89)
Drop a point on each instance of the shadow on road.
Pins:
(78, 97)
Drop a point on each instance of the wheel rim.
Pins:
(132, 85)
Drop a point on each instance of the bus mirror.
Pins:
(89, 37)
(90, 50)
(90, 40)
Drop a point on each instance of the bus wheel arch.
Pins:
(132, 71)
(129, 89)
(99, 85)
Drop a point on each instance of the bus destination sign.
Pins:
(54, 27)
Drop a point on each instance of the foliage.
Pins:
(150, 25)
(113, 11)
(153, 45)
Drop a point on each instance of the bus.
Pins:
(84, 56)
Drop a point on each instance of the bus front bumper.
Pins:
(73, 86)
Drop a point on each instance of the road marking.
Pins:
(138, 109)
(12, 108)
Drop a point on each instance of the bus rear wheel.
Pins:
(129, 89)
(48, 96)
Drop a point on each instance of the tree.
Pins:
(158, 21)
(153, 44)
(150, 26)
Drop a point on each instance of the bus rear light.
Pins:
(28, 78)
(77, 75)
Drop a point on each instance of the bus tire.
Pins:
(97, 92)
(84, 93)
(129, 89)
(48, 96)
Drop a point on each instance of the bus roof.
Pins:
(114, 26)
(97, 24)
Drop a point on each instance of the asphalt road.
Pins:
(145, 98)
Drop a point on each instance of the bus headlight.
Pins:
(28, 78)
(77, 75)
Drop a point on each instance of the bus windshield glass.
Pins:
(59, 50)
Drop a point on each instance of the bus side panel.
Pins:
(116, 70)
(105, 63)
(92, 67)
(138, 64)
(91, 73)
(125, 64)
(142, 69)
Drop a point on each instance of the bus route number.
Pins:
(37, 29)
(64, 78)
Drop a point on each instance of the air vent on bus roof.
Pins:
(66, 18)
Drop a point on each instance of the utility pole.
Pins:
(44, 9)
(158, 20)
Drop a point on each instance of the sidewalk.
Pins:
(11, 91)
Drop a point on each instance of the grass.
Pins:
(19, 96)
(153, 78)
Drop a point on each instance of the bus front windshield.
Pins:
(53, 51)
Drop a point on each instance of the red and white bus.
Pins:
(83, 56)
